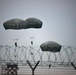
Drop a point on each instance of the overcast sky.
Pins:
(58, 17)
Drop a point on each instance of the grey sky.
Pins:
(58, 17)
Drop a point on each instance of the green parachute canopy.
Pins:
(50, 46)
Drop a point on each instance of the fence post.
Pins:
(33, 69)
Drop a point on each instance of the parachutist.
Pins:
(31, 42)
(15, 44)
(49, 66)
(31, 53)
(14, 55)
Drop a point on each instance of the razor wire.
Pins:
(20, 54)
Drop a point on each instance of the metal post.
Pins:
(32, 71)
(32, 67)
(73, 65)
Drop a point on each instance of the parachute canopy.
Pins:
(50, 46)
(34, 23)
(22, 24)
(13, 24)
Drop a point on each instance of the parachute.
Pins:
(50, 46)
(13, 24)
(34, 23)
(22, 24)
